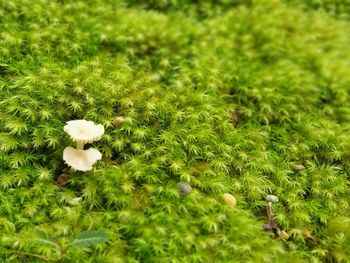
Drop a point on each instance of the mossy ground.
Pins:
(225, 95)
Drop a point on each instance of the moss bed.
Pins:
(227, 96)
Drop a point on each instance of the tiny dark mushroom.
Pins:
(298, 167)
(271, 225)
(62, 180)
(184, 188)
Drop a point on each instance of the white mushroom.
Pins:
(81, 160)
(271, 198)
(82, 131)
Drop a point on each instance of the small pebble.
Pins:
(230, 199)
(271, 198)
(118, 121)
(62, 180)
(298, 167)
(184, 188)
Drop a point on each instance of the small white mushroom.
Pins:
(81, 160)
(83, 131)
(271, 199)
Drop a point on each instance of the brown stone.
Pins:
(118, 121)
(62, 180)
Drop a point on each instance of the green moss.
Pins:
(225, 95)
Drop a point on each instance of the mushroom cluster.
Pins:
(82, 132)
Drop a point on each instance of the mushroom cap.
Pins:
(81, 160)
(271, 198)
(84, 131)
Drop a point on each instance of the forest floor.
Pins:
(249, 98)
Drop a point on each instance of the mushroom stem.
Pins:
(269, 212)
(80, 145)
